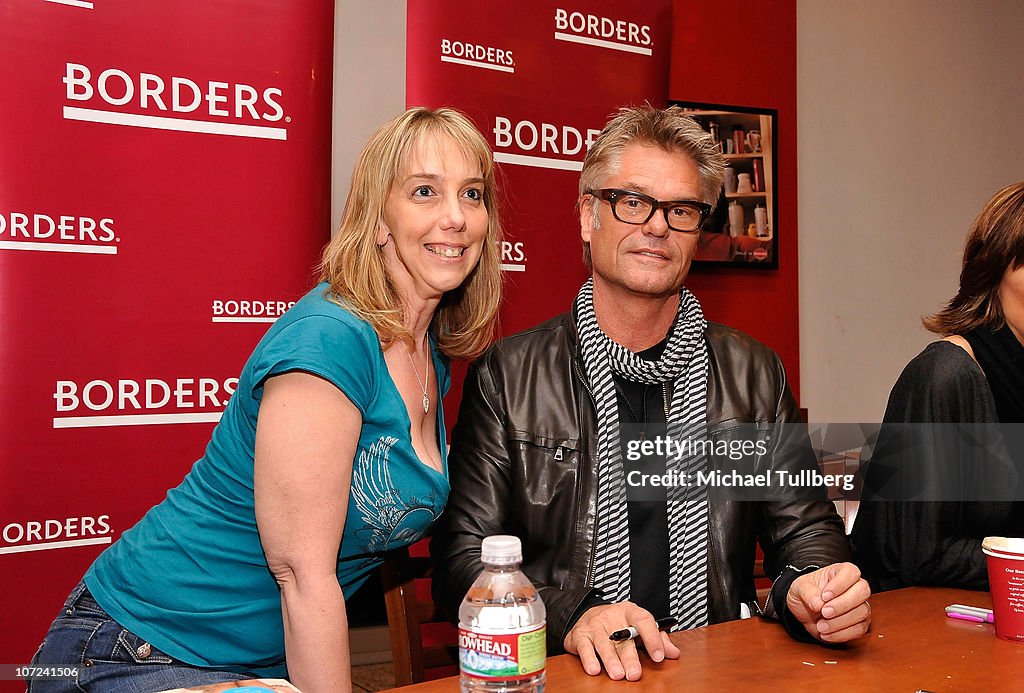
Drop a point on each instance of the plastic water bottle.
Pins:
(502, 633)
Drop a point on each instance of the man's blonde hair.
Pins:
(669, 129)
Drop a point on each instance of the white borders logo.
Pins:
(244, 310)
(83, 4)
(134, 395)
(84, 234)
(592, 30)
(525, 135)
(475, 55)
(41, 533)
(118, 88)
(513, 256)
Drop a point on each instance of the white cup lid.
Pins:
(501, 549)
(1003, 544)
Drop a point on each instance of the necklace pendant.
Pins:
(426, 403)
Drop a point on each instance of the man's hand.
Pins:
(588, 639)
(832, 603)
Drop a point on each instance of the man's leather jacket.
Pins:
(522, 462)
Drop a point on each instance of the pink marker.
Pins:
(964, 617)
(970, 613)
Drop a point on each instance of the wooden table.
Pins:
(911, 646)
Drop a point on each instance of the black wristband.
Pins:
(592, 599)
(779, 592)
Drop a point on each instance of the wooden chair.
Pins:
(762, 582)
(406, 583)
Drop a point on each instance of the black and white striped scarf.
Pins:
(684, 363)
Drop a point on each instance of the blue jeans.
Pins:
(109, 657)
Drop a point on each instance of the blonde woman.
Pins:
(331, 451)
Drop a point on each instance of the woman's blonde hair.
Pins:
(995, 244)
(353, 264)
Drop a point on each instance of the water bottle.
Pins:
(502, 633)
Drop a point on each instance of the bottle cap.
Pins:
(501, 549)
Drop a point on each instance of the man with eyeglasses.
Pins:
(551, 418)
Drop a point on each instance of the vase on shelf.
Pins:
(736, 215)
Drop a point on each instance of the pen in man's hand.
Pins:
(631, 633)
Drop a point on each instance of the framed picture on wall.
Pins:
(743, 229)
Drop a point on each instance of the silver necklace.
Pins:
(426, 372)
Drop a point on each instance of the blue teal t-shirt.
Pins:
(191, 577)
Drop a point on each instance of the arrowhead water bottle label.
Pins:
(494, 656)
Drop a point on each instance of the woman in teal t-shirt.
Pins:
(331, 451)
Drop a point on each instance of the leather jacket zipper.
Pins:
(589, 580)
(713, 566)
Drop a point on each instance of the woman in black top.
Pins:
(944, 474)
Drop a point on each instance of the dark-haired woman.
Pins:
(947, 469)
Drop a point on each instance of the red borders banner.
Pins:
(164, 194)
(540, 79)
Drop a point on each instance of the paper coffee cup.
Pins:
(1005, 559)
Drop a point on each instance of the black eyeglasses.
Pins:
(636, 208)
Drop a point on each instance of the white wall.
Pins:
(369, 82)
(910, 115)
(369, 88)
